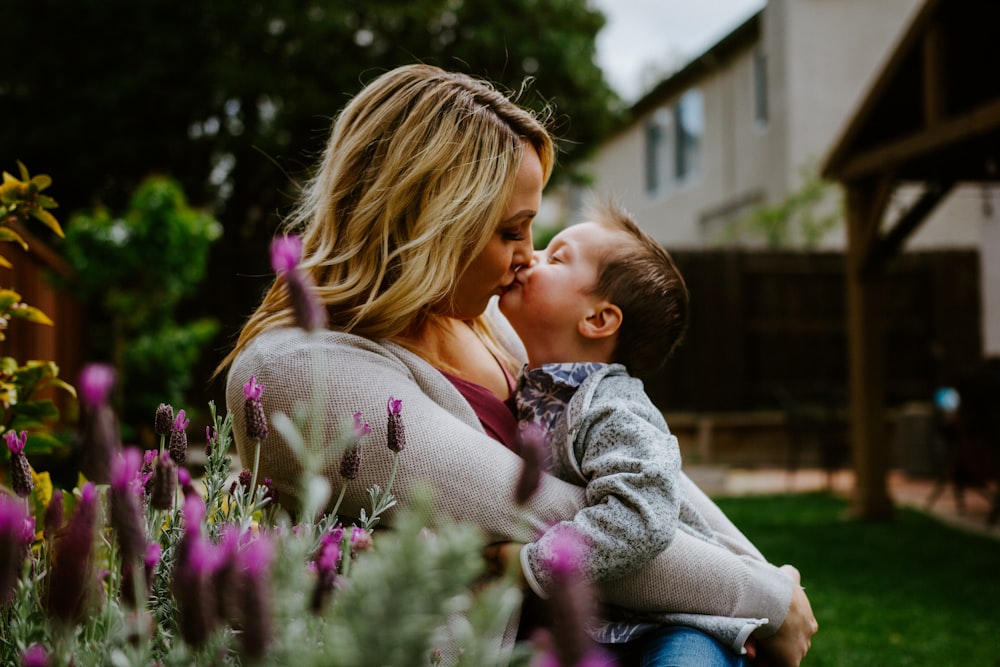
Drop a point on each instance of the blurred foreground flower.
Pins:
(20, 469)
(101, 438)
(286, 253)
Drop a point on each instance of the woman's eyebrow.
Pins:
(524, 213)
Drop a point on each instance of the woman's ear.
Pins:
(603, 321)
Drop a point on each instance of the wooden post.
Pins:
(866, 355)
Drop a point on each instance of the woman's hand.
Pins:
(504, 557)
(789, 645)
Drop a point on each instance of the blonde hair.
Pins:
(412, 185)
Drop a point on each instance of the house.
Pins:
(742, 124)
(747, 124)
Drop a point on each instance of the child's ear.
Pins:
(604, 321)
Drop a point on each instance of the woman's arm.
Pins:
(471, 476)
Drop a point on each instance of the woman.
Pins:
(419, 214)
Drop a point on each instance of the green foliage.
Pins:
(911, 591)
(21, 407)
(134, 272)
(793, 221)
(232, 98)
(399, 594)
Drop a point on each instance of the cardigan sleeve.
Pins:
(470, 476)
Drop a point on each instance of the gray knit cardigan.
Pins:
(473, 476)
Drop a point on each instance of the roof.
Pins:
(743, 36)
(933, 112)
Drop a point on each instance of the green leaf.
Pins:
(24, 171)
(47, 219)
(30, 313)
(8, 234)
(8, 298)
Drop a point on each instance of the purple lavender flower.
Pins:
(164, 419)
(96, 382)
(253, 410)
(532, 449)
(35, 656)
(286, 252)
(255, 600)
(126, 515)
(163, 484)
(53, 520)
(14, 542)
(179, 438)
(73, 581)
(101, 438)
(350, 462)
(20, 470)
(396, 435)
(195, 563)
(361, 540)
(327, 566)
(571, 605)
(226, 580)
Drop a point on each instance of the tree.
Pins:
(232, 98)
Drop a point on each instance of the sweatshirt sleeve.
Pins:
(630, 462)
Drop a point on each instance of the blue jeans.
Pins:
(678, 646)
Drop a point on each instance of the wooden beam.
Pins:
(866, 359)
(878, 252)
(924, 143)
(935, 81)
(870, 199)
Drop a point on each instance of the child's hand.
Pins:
(504, 557)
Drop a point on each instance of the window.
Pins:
(760, 101)
(689, 128)
(673, 143)
(658, 140)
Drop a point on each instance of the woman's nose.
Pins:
(524, 253)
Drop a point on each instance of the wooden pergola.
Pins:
(932, 119)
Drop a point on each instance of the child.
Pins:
(602, 300)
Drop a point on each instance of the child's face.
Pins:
(552, 295)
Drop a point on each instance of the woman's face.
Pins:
(492, 271)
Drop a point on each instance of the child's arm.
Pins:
(629, 461)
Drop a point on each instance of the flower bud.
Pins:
(164, 419)
(396, 439)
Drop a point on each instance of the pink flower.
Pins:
(360, 429)
(253, 391)
(396, 435)
(15, 442)
(35, 656)
(20, 470)
(253, 410)
(96, 381)
(73, 583)
(13, 545)
(532, 450)
(286, 251)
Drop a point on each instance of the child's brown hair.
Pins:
(642, 279)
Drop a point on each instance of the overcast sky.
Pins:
(645, 39)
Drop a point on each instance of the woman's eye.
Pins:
(515, 235)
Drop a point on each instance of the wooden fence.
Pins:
(767, 326)
(63, 343)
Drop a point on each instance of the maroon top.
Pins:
(496, 416)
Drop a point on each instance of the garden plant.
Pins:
(154, 567)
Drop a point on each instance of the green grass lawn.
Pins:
(907, 592)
